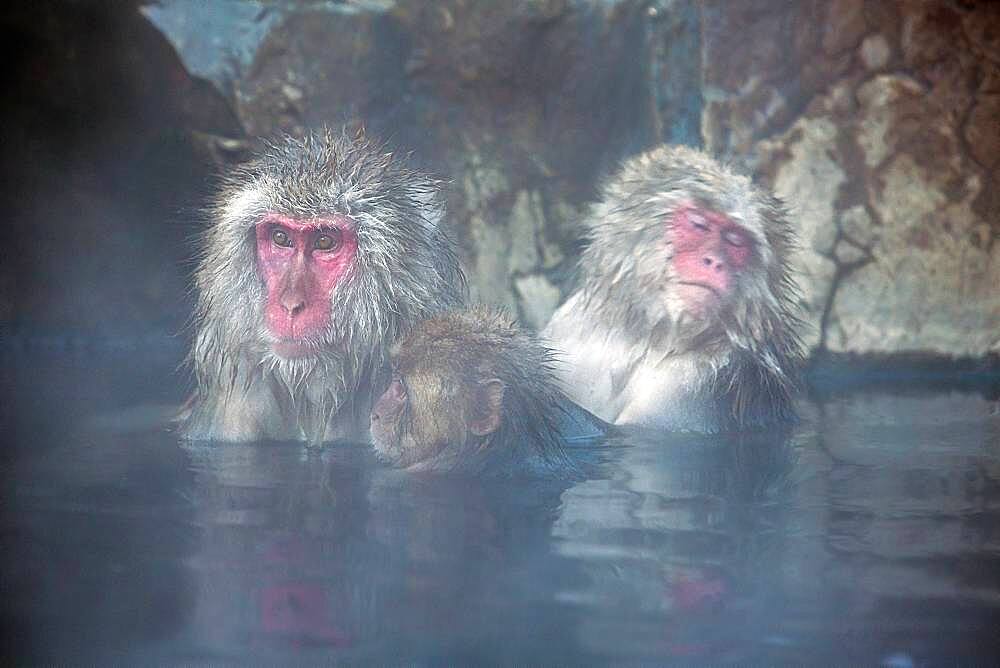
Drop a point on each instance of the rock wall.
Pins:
(877, 120)
(879, 123)
(102, 166)
(522, 106)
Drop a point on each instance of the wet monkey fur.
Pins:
(685, 316)
(319, 254)
(470, 392)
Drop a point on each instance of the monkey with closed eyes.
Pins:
(471, 391)
(685, 317)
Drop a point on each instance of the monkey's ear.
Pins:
(487, 407)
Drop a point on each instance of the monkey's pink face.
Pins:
(391, 442)
(388, 410)
(710, 252)
(302, 262)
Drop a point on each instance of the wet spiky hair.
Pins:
(622, 271)
(446, 356)
(405, 270)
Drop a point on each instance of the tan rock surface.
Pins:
(889, 167)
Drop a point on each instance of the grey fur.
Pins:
(737, 372)
(406, 269)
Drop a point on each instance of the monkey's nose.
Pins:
(712, 262)
(293, 303)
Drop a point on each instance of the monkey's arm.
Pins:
(233, 421)
(752, 395)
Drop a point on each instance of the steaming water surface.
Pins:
(868, 533)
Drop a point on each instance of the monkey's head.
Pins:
(681, 244)
(463, 384)
(324, 248)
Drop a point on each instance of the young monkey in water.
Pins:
(470, 391)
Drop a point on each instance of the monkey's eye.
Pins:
(698, 223)
(281, 238)
(734, 238)
(327, 241)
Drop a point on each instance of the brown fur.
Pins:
(452, 366)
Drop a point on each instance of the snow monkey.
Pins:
(320, 253)
(472, 392)
(685, 316)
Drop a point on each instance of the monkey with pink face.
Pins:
(320, 254)
(685, 317)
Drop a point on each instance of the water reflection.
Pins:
(96, 536)
(672, 541)
(910, 527)
(274, 563)
(867, 533)
(319, 552)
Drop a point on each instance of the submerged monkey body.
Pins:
(273, 400)
(321, 252)
(685, 317)
(471, 392)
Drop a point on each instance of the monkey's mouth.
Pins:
(292, 348)
(711, 288)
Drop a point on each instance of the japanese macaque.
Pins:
(469, 391)
(320, 254)
(685, 315)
